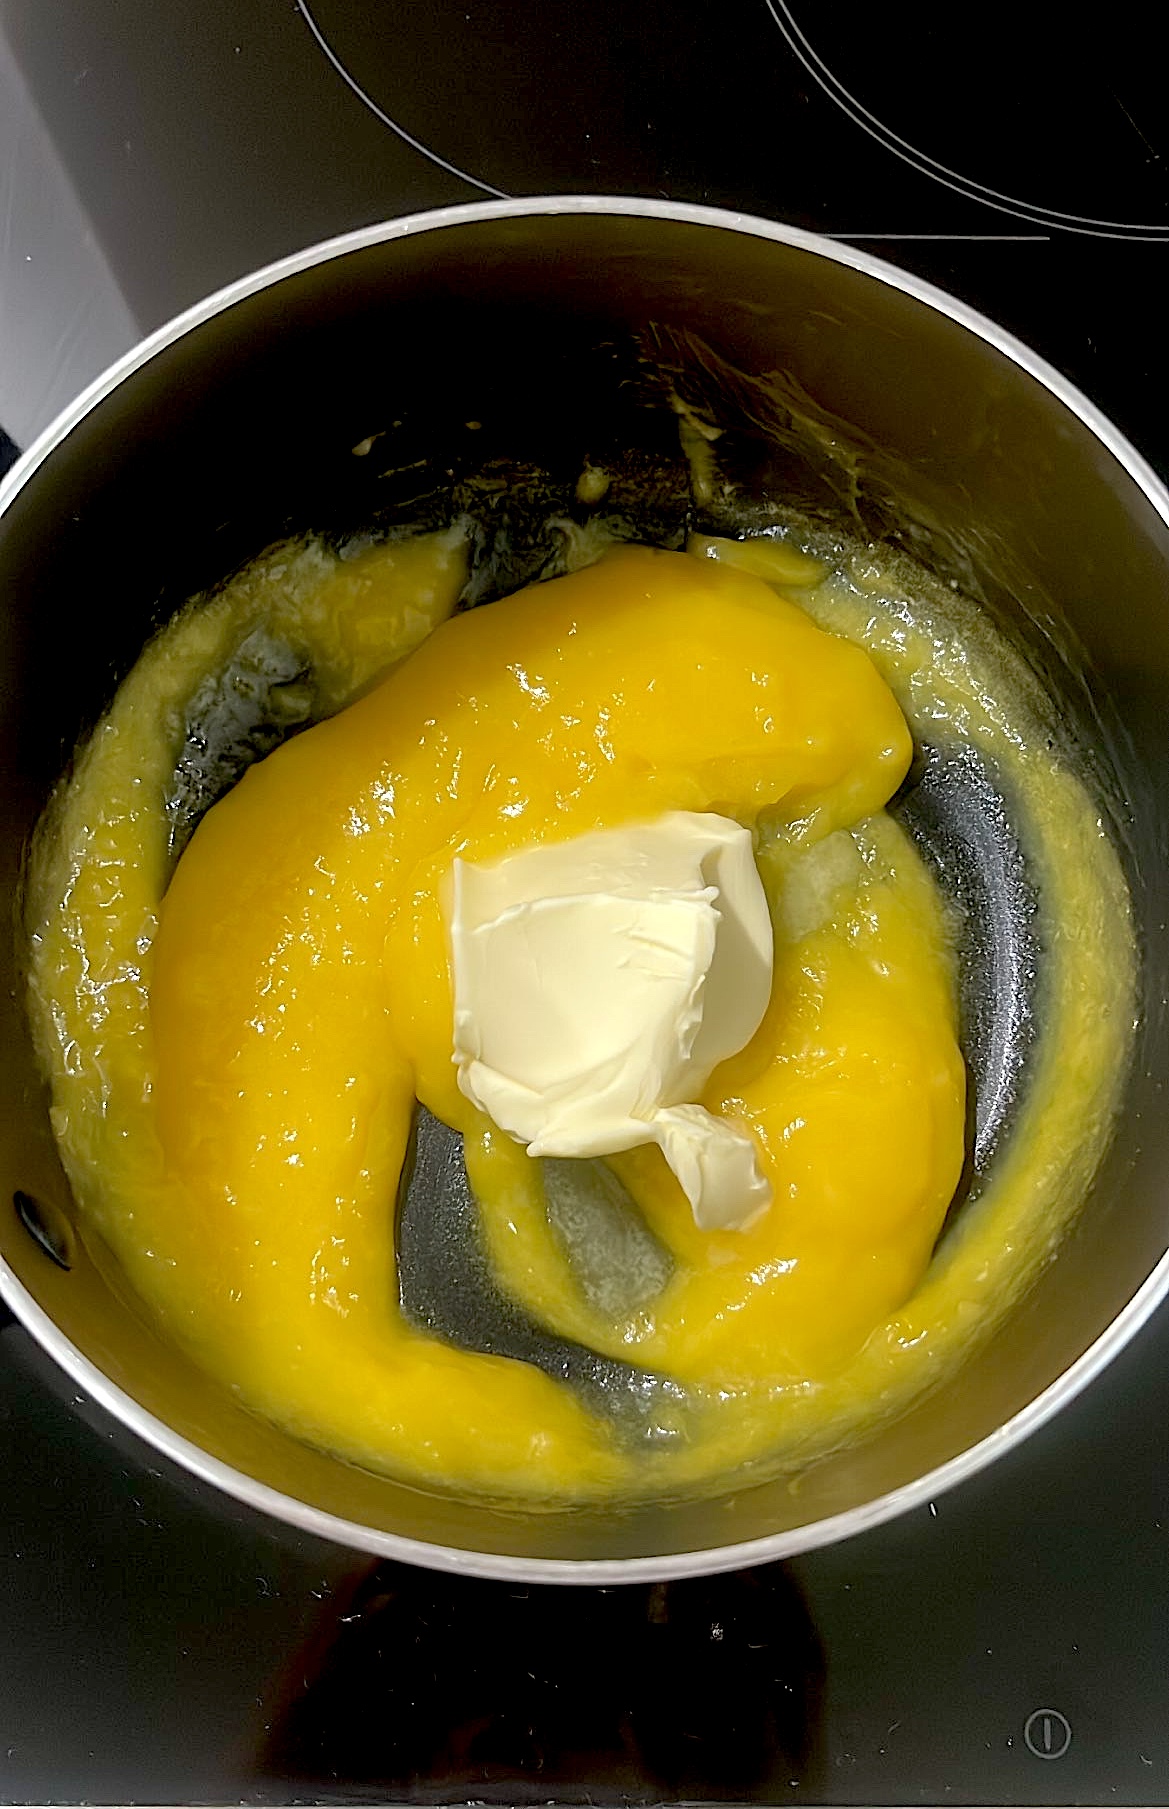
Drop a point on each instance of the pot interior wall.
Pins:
(243, 430)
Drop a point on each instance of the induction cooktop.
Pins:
(1007, 1644)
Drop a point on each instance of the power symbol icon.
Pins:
(1048, 1733)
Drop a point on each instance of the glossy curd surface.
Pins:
(236, 1049)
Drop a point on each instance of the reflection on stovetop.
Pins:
(706, 1688)
(1006, 1644)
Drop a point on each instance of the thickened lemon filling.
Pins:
(237, 1048)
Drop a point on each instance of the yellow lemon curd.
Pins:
(235, 1056)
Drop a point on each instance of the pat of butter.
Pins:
(598, 983)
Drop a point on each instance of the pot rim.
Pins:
(814, 1534)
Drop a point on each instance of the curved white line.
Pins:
(930, 166)
(380, 112)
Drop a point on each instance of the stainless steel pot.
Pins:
(236, 423)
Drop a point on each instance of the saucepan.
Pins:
(547, 324)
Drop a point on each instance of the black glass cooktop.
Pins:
(1010, 1644)
(1007, 1644)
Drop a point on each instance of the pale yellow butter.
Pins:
(598, 982)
